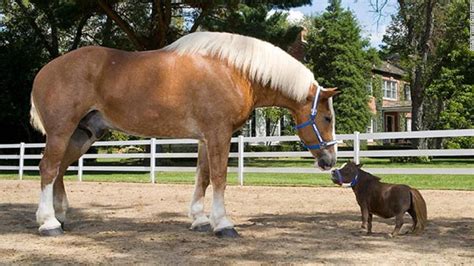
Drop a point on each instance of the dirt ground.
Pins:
(125, 223)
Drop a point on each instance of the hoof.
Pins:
(227, 233)
(52, 232)
(203, 228)
(62, 226)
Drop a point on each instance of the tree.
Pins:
(255, 21)
(32, 32)
(421, 35)
(339, 58)
(451, 92)
(158, 25)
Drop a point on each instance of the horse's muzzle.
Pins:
(327, 160)
(335, 178)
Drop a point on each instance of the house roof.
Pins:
(389, 68)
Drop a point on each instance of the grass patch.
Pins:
(298, 162)
(448, 182)
(368, 163)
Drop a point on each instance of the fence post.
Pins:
(240, 170)
(80, 164)
(152, 159)
(356, 147)
(22, 162)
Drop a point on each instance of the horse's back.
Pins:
(390, 199)
(128, 88)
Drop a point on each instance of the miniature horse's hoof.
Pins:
(51, 232)
(227, 233)
(203, 228)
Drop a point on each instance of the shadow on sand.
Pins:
(287, 238)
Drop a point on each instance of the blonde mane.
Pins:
(263, 62)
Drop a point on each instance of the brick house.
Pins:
(394, 112)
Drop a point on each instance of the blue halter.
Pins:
(310, 122)
(341, 180)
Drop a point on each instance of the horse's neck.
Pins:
(267, 97)
(364, 180)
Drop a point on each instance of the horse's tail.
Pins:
(419, 206)
(35, 119)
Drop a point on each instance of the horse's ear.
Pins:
(311, 94)
(330, 92)
(359, 165)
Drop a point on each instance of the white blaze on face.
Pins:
(342, 166)
(333, 115)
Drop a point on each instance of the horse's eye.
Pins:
(328, 119)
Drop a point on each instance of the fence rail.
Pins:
(153, 155)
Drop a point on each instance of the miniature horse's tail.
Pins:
(419, 206)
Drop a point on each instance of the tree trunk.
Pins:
(418, 82)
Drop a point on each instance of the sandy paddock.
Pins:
(144, 223)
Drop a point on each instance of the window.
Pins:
(407, 92)
(369, 88)
(389, 89)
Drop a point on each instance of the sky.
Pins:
(363, 12)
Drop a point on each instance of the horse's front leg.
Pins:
(201, 222)
(365, 216)
(369, 224)
(218, 153)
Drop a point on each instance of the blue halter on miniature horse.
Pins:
(340, 179)
(310, 122)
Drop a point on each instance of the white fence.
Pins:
(356, 154)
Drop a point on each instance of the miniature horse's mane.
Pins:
(363, 173)
(369, 175)
(261, 61)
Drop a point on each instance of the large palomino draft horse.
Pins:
(203, 86)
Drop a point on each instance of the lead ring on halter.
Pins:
(310, 122)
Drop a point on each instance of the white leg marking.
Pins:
(196, 210)
(218, 217)
(45, 213)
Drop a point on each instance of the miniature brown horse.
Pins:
(384, 200)
(203, 86)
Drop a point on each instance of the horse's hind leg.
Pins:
(398, 224)
(196, 211)
(50, 165)
(61, 150)
(412, 213)
(90, 129)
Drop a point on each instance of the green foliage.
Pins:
(21, 55)
(255, 22)
(440, 67)
(410, 159)
(338, 57)
(378, 95)
(33, 32)
(452, 89)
